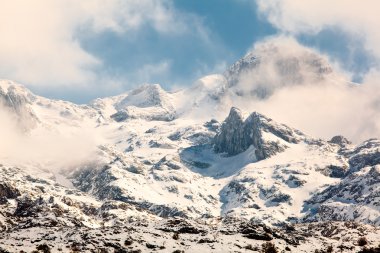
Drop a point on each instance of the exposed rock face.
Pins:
(102, 185)
(237, 135)
(366, 154)
(181, 236)
(337, 171)
(232, 139)
(356, 197)
(340, 140)
(8, 191)
(249, 62)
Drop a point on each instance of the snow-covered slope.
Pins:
(356, 197)
(148, 102)
(150, 158)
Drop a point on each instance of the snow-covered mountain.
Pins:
(185, 162)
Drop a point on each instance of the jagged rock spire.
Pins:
(238, 134)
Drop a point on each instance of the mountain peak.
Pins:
(340, 140)
(267, 137)
(11, 87)
(149, 101)
(5, 84)
(16, 99)
(274, 65)
(146, 95)
(235, 115)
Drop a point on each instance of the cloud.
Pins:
(150, 71)
(327, 109)
(282, 61)
(333, 106)
(320, 104)
(43, 148)
(40, 40)
(360, 19)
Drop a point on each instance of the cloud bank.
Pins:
(333, 106)
(40, 40)
(303, 90)
(43, 148)
(359, 19)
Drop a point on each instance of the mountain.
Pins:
(257, 131)
(149, 102)
(274, 65)
(16, 100)
(187, 170)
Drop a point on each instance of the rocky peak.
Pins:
(340, 140)
(17, 100)
(149, 102)
(246, 63)
(235, 116)
(274, 65)
(146, 95)
(267, 137)
(232, 139)
(14, 95)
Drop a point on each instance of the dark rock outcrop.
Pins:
(181, 226)
(355, 195)
(238, 134)
(366, 154)
(8, 191)
(340, 140)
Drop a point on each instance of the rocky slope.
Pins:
(263, 134)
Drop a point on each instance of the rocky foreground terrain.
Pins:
(185, 171)
(180, 235)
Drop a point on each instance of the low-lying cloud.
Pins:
(43, 148)
(321, 104)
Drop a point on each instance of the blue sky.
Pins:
(94, 50)
(232, 28)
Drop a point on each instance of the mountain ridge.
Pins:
(174, 162)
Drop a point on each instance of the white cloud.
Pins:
(44, 148)
(150, 71)
(39, 39)
(322, 107)
(359, 18)
(328, 108)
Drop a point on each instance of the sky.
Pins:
(81, 50)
